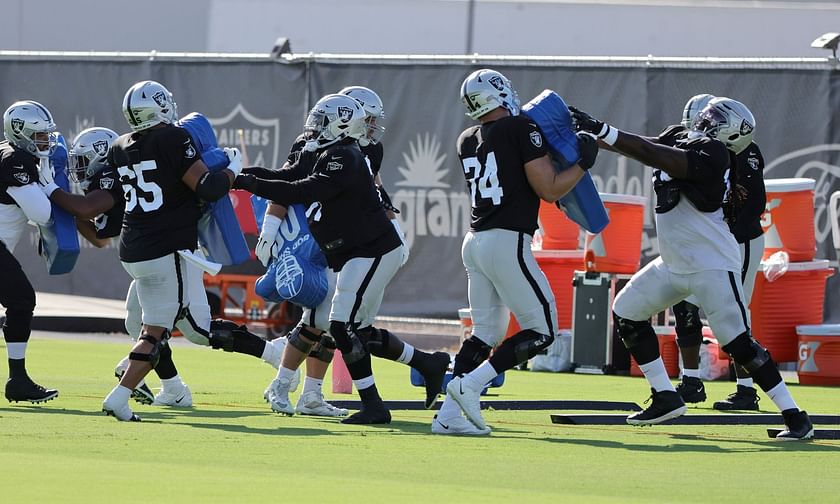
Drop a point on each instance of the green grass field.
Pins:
(231, 448)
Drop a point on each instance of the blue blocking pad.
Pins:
(59, 239)
(219, 231)
(298, 274)
(582, 204)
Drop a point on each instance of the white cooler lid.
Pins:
(623, 198)
(789, 184)
(560, 254)
(464, 313)
(819, 330)
(818, 264)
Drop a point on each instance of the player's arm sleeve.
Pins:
(32, 200)
(756, 199)
(316, 187)
(179, 151)
(531, 141)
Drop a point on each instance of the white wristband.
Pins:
(608, 134)
(49, 188)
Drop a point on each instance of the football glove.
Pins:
(235, 160)
(266, 246)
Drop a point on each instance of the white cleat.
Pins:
(457, 425)
(177, 399)
(277, 396)
(468, 399)
(121, 412)
(313, 403)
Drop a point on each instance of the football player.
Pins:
(744, 203)
(353, 231)
(304, 339)
(699, 256)
(29, 130)
(163, 180)
(104, 202)
(507, 170)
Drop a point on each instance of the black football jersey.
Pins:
(708, 162)
(493, 156)
(161, 212)
(17, 169)
(108, 224)
(373, 155)
(749, 174)
(351, 221)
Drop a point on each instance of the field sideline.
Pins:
(231, 448)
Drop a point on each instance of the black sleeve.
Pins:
(179, 150)
(107, 180)
(374, 154)
(332, 174)
(19, 169)
(706, 158)
(530, 140)
(669, 135)
(751, 178)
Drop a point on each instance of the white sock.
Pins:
(120, 394)
(312, 384)
(284, 372)
(691, 373)
(780, 395)
(407, 354)
(449, 408)
(17, 351)
(657, 376)
(170, 384)
(483, 374)
(364, 383)
(746, 382)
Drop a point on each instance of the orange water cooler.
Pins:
(788, 220)
(618, 247)
(559, 232)
(819, 354)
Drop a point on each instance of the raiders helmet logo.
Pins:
(753, 162)
(160, 98)
(100, 147)
(22, 177)
(190, 152)
(746, 128)
(497, 82)
(17, 125)
(536, 138)
(106, 183)
(345, 114)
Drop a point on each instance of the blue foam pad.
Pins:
(59, 239)
(218, 229)
(418, 381)
(582, 204)
(298, 274)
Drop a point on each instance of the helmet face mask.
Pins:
(147, 104)
(88, 154)
(485, 90)
(332, 119)
(728, 121)
(374, 112)
(693, 107)
(29, 126)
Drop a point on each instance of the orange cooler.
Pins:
(559, 267)
(819, 354)
(796, 298)
(668, 350)
(618, 248)
(788, 220)
(559, 232)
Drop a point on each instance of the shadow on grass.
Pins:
(47, 410)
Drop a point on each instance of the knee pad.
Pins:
(222, 334)
(325, 350)
(348, 341)
(747, 352)
(472, 353)
(688, 325)
(303, 338)
(529, 343)
(638, 337)
(154, 355)
(376, 340)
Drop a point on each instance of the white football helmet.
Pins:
(693, 107)
(727, 120)
(23, 120)
(333, 118)
(147, 104)
(88, 153)
(485, 90)
(374, 111)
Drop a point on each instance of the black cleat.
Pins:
(372, 413)
(691, 389)
(434, 370)
(798, 426)
(24, 389)
(744, 398)
(664, 405)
